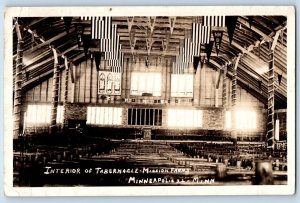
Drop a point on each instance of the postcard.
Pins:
(135, 101)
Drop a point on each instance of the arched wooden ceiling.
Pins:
(250, 40)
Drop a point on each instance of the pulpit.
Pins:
(147, 133)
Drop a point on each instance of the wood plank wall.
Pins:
(84, 89)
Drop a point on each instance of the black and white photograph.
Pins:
(149, 101)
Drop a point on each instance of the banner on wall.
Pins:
(109, 83)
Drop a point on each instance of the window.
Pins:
(60, 114)
(184, 118)
(139, 116)
(182, 85)
(41, 114)
(146, 82)
(244, 120)
(228, 119)
(109, 83)
(104, 115)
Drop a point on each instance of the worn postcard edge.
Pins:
(288, 189)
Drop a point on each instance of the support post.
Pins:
(55, 86)
(66, 90)
(224, 92)
(67, 80)
(233, 100)
(18, 84)
(270, 138)
(271, 101)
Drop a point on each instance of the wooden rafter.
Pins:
(256, 30)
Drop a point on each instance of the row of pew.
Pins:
(167, 162)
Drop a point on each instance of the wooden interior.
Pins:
(53, 67)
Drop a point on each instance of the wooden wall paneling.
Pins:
(81, 76)
(76, 81)
(83, 79)
(214, 76)
(27, 97)
(40, 88)
(164, 81)
(124, 76)
(44, 91)
(220, 91)
(80, 87)
(94, 84)
(196, 89)
(32, 96)
(202, 85)
(87, 79)
(74, 68)
(36, 93)
(163, 67)
(169, 65)
(130, 64)
(49, 89)
(208, 87)
(84, 82)
(199, 71)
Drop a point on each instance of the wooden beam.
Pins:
(35, 21)
(18, 84)
(30, 68)
(172, 22)
(142, 37)
(78, 57)
(261, 77)
(66, 80)
(55, 93)
(33, 60)
(124, 32)
(132, 41)
(233, 100)
(39, 78)
(149, 43)
(151, 22)
(18, 31)
(69, 49)
(165, 42)
(246, 23)
(237, 62)
(153, 52)
(130, 22)
(241, 81)
(161, 25)
(48, 42)
(275, 41)
(271, 102)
